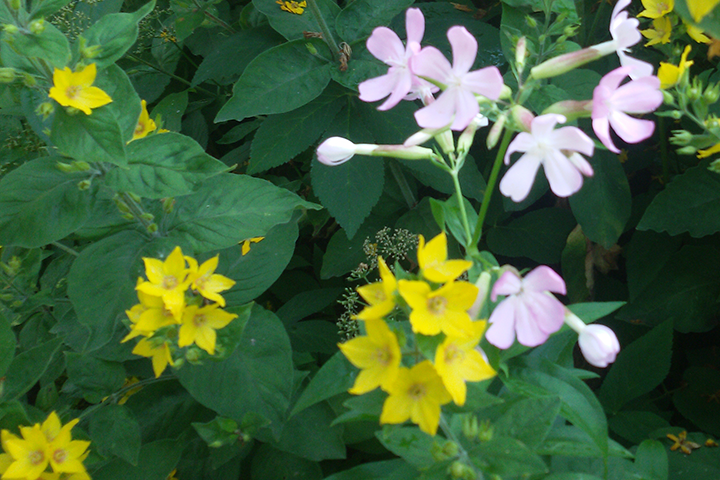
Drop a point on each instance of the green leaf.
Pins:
(254, 378)
(278, 80)
(396, 469)
(528, 420)
(92, 138)
(589, 312)
(636, 426)
(292, 26)
(690, 203)
(269, 463)
(170, 109)
(7, 344)
(230, 208)
(43, 8)
(26, 369)
(115, 34)
(281, 137)
(602, 206)
(639, 368)
(507, 456)
(94, 378)
(156, 461)
(539, 235)
(647, 253)
(694, 400)
(358, 19)
(39, 204)
(573, 266)
(539, 377)
(342, 254)
(570, 441)
(310, 435)
(409, 443)
(164, 165)
(685, 289)
(651, 460)
(51, 45)
(571, 476)
(115, 82)
(114, 431)
(336, 376)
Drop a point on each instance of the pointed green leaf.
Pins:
(292, 26)
(358, 19)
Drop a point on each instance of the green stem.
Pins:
(490, 187)
(663, 151)
(66, 249)
(399, 177)
(327, 36)
(462, 453)
(112, 398)
(169, 74)
(461, 205)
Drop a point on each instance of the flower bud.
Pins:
(688, 150)
(91, 52)
(152, 228)
(483, 286)
(29, 80)
(14, 4)
(45, 109)
(715, 166)
(168, 205)
(668, 98)
(520, 53)
(149, 217)
(505, 93)
(37, 26)
(599, 345)
(72, 111)
(531, 22)
(64, 167)
(84, 184)
(450, 449)
(7, 75)
(486, 431)
(470, 427)
(495, 131)
(10, 29)
(681, 137)
(712, 93)
(676, 114)
(523, 117)
(336, 150)
(466, 137)
(571, 109)
(570, 61)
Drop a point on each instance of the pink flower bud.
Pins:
(599, 345)
(335, 150)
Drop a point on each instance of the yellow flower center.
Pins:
(416, 391)
(37, 457)
(170, 282)
(380, 296)
(453, 354)
(140, 128)
(383, 355)
(72, 91)
(199, 320)
(60, 455)
(436, 305)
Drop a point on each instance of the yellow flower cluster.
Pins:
(663, 23)
(167, 310)
(438, 305)
(292, 6)
(74, 89)
(43, 452)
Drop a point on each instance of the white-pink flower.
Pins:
(625, 34)
(556, 150)
(529, 311)
(399, 83)
(612, 103)
(599, 345)
(457, 105)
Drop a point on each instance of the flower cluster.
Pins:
(43, 452)
(175, 302)
(437, 305)
(75, 89)
(664, 20)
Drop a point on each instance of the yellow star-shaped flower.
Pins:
(205, 281)
(699, 9)
(656, 8)
(199, 325)
(145, 124)
(696, 33)
(379, 294)
(158, 350)
(708, 151)
(168, 279)
(660, 33)
(29, 453)
(433, 261)
(74, 89)
(442, 310)
(377, 355)
(670, 74)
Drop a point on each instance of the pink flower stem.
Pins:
(461, 201)
(489, 189)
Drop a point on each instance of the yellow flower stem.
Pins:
(399, 177)
(489, 189)
(327, 36)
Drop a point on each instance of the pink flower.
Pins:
(528, 310)
(399, 83)
(625, 34)
(457, 103)
(555, 150)
(612, 103)
(599, 345)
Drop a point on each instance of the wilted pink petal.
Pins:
(529, 311)
(612, 102)
(556, 150)
(457, 105)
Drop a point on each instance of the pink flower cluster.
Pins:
(410, 66)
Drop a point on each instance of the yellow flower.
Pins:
(292, 6)
(159, 352)
(168, 279)
(148, 316)
(656, 8)
(246, 244)
(199, 325)
(433, 261)
(206, 281)
(29, 453)
(145, 124)
(442, 310)
(377, 355)
(700, 8)
(457, 361)
(709, 151)
(416, 394)
(379, 294)
(74, 89)
(171, 475)
(670, 74)
(696, 33)
(5, 458)
(660, 33)
(682, 443)
(64, 454)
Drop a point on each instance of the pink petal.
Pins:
(613, 79)
(544, 278)
(403, 77)
(581, 164)
(640, 68)
(502, 324)
(430, 62)
(602, 130)
(508, 284)
(377, 88)
(542, 126)
(519, 179)
(466, 107)
(386, 46)
(547, 311)
(414, 25)
(522, 142)
(619, 6)
(438, 114)
(464, 48)
(572, 138)
(527, 327)
(625, 32)
(563, 177)
(632, 130)
(486, 81)
(638, 96)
